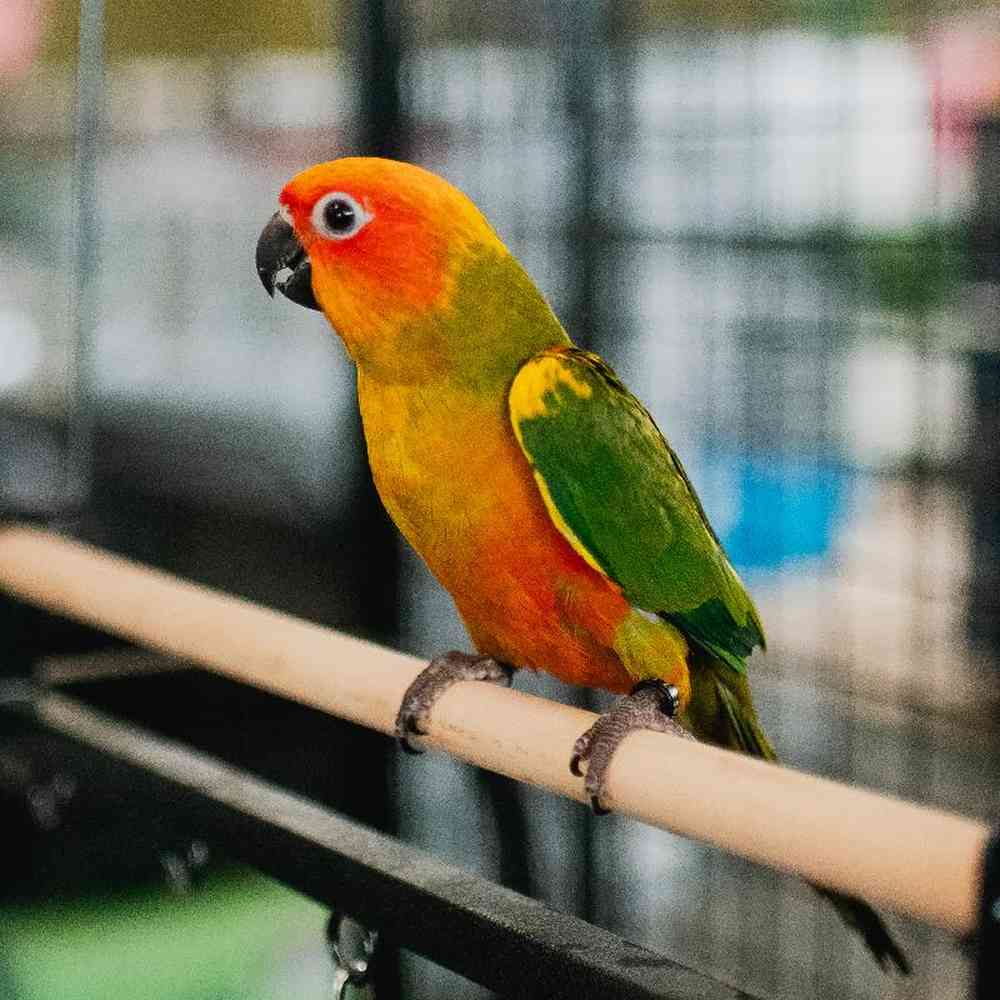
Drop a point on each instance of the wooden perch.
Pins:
(918, 861)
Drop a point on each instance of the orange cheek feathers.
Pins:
(369, 289)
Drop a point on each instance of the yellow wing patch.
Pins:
(533, 382)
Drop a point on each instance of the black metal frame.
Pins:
(492, 935)
(988, 939)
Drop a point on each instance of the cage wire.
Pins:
(768, 226)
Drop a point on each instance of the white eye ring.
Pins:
(338, 216)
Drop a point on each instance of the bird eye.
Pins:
(339, 216)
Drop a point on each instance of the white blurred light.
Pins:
(20, 348)
(899, 404)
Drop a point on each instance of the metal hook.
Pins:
(352, 948)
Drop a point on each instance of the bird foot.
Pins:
(434, 680)
(651, 705)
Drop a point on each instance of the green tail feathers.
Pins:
(736, 726)
(740, 719)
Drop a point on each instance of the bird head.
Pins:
(375, 244)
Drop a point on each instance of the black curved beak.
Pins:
(283, 264)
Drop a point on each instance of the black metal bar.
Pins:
(89, 118)
(985, 225)
(983, 448)
(988, 939)
(381, 132)
(380, 54)
(585, 318)
(484, 931)
(584, 63)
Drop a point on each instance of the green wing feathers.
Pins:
(620, 496)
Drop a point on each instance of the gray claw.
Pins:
(433, 681)
(651, 705)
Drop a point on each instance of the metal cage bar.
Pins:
(492, 935)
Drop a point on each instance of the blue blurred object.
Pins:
(773, 509)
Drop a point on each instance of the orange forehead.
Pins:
(418, 220)
(362, 177)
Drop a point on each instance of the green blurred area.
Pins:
(910, 272)
(193, 27)
(189, 28)
(236, 935)
(842, 17)
(917, 272)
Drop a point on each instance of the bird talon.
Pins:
(651, 705)
(407, 726)
(407, 747)
(442, 672)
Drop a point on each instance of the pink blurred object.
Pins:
(20, 36)
(963, 59)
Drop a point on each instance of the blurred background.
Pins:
(780, 224)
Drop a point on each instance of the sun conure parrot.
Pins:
(537, 489)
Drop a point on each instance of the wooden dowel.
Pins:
(918, 861)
